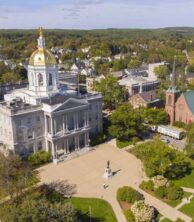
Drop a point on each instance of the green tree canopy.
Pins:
(159, 159)
(162, 72)
(126, 122)
(21, 72)
(155, 116)
(190, 141)
(15, 175)
(113, 94)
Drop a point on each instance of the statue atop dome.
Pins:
(40, 29)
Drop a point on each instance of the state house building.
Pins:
(44, 116)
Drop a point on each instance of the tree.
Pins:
(9, 77)
(3, 68)
(112, 93)
(159, 159)
(134, 64)
(190, 141)
(128, 195)
(40, 210)
(162, 71)
(155, 116)
(126, 122)
(21, 72)
(15, 175)
(143, 212)
(118, 65)
(39, 157)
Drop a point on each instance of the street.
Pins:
(179, 144)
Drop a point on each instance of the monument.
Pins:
(108, 172)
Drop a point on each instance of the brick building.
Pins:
(180, 107)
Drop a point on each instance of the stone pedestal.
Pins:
(55, 161)
(107, 174)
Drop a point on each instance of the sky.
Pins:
(96, 14)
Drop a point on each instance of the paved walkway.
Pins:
(189, 190)
(86, 172)
(184, 201)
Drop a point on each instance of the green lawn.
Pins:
(122, 144)
(166, 220)
(174, 203)
(188, 209)
(101, 211)
(187, 181)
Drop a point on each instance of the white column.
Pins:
(77, 119)
(55, 126)
(53, 149)
(45, 125)
(67, 142)
(63, 125)
(74, 120)
(85, 119)
(78, 144)
(65, 146)
(52, 127)
(66, 124)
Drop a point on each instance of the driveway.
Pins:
(87, 173)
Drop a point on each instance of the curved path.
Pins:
(87, 170)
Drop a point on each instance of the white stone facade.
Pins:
(42, 117)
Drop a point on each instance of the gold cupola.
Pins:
(42, 56)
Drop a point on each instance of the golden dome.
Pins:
(42, 57)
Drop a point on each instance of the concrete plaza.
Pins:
(87, 173)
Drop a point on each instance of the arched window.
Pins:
(40, 79)
(169, 100)
(50, 79)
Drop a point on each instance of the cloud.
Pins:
(78, 6)
(3, 17)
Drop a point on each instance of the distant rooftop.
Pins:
(189, 97)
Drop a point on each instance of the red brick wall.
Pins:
(183, 113)
(170, 106)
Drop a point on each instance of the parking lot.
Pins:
(179, 144)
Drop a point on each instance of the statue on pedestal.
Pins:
(108, 172)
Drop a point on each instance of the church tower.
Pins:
(171, 96)
(42, 70)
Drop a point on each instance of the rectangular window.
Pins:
(20, 136)
(29, 120)
(30, 134)
(37, 118)
(40, 145)
(19, 122)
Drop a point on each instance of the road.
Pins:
(179, 144)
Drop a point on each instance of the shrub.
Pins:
(40, 157)
(128, 194)
(160, 192)
(180, 125)
(143, 212)
(174, 193)
(129, 215)
(179, 220)
(147, 185)
(97, 139)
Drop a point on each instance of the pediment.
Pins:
(70, 103)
